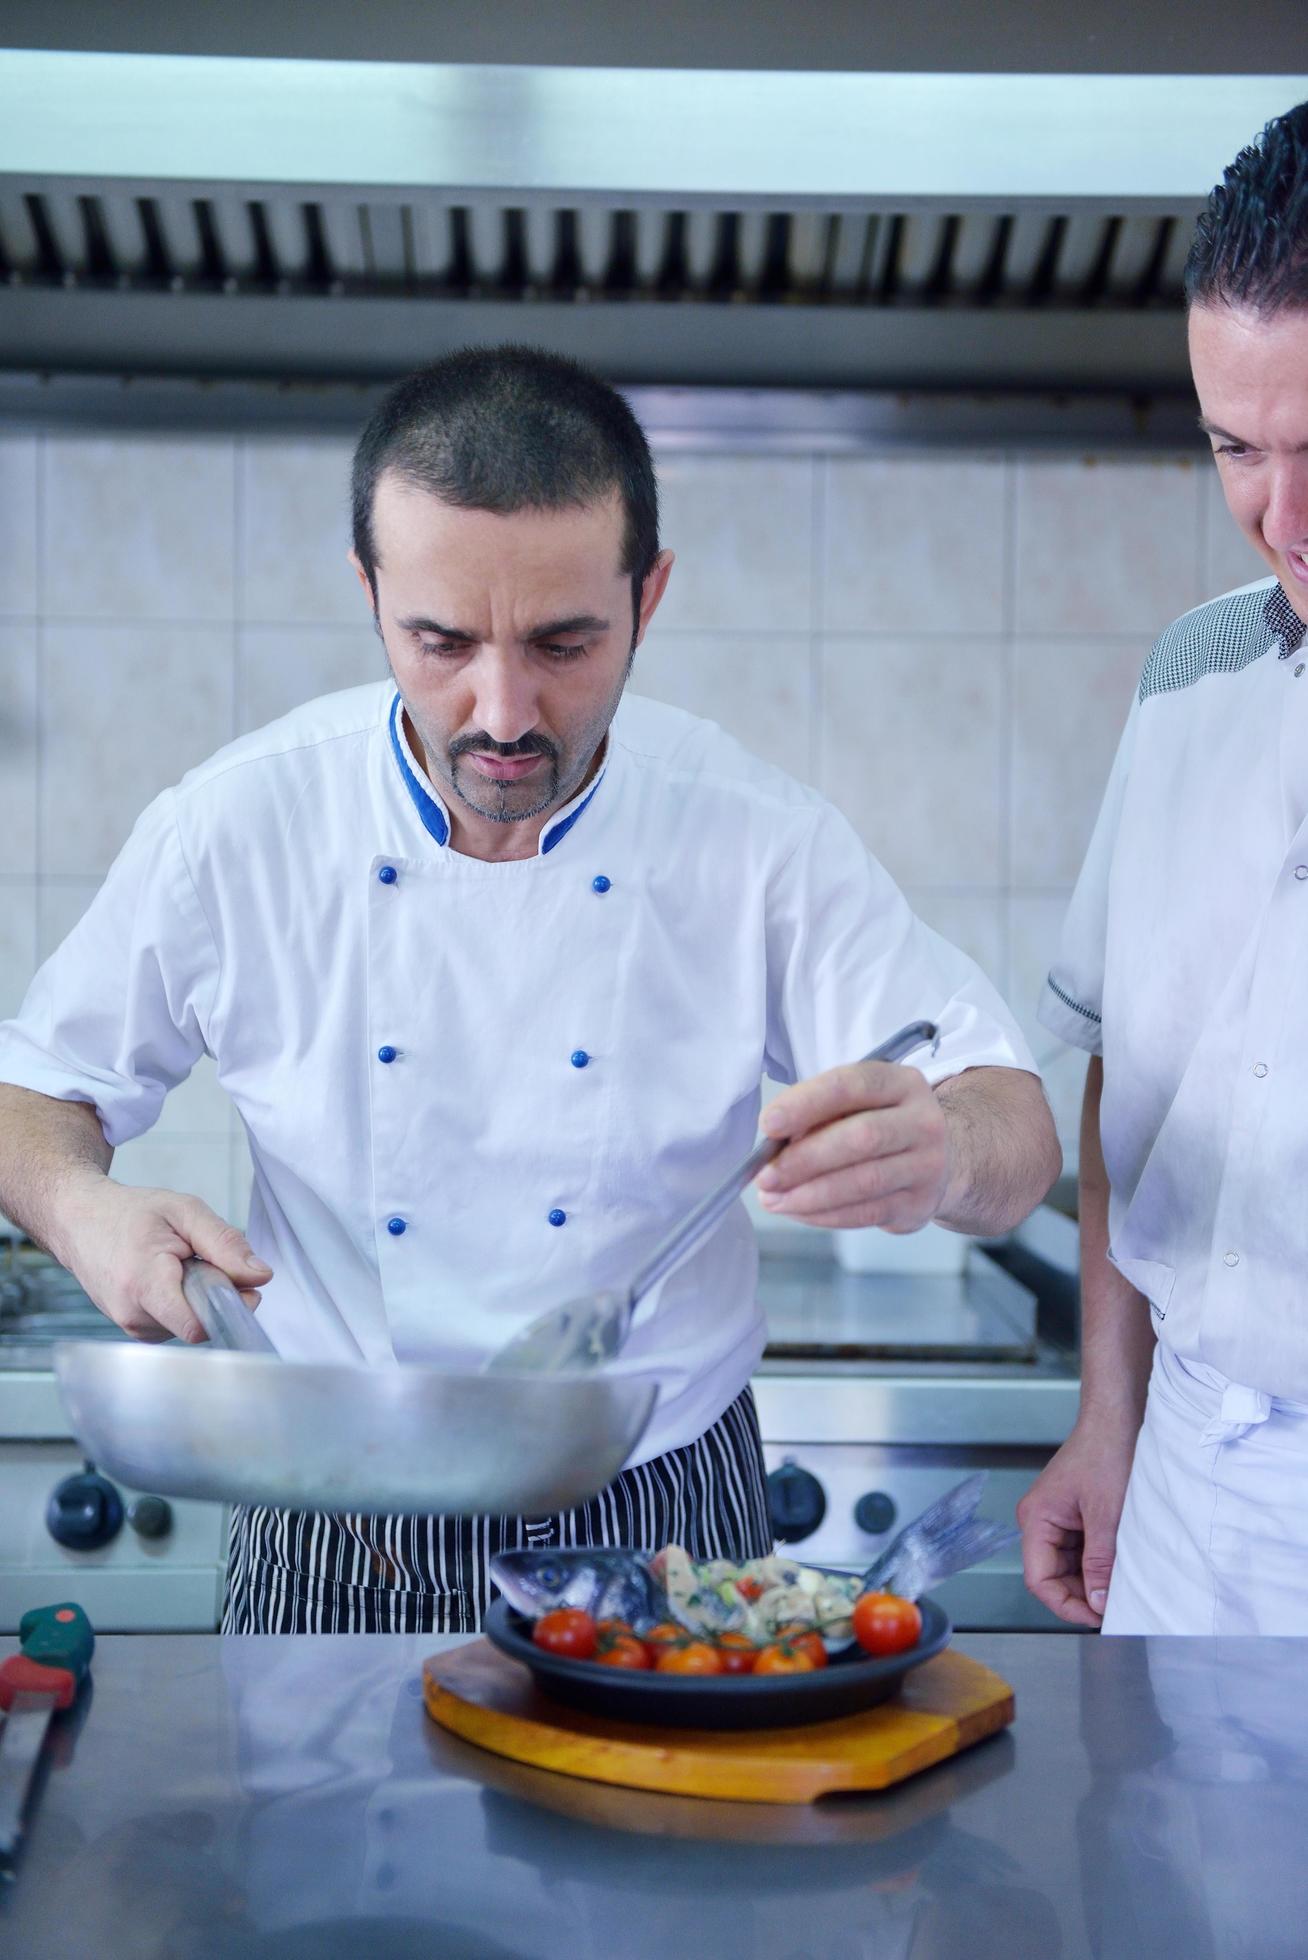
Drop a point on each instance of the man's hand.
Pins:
(126, 1247)
(1069, 1520)
(868, 1145)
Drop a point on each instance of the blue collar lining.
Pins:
(433, 817)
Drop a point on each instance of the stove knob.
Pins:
(797, 1502)
(875, 1512)
(84, 1512)
(150, 1517)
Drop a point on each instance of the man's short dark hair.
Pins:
(1251, 243)
(507, 429)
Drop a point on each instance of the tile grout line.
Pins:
(39, 702)
(817, 615)
(238, 578)
(1008, 713)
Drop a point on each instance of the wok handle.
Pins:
(683, 1238)
(221, 1311)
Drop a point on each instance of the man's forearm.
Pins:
(47, 1150)
(1117, 1336)
(1004, 1151)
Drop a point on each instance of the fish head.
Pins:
(609, 1584)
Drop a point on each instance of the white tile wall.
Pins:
(915, 545)
(18, 504)
(139, 529)
(946, 644)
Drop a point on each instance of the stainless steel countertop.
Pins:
(289, 1796)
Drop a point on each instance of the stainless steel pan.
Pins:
(235, 1422)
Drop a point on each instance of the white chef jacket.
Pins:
(1183, 963)
(475, 1090)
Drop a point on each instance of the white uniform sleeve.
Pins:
(849, 963)
(1072, 1004)
(116, 1016)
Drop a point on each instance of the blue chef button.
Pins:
(388, 874)
(558, 1217)
(579, 1058)
(600, 884)
(387, 1054)
(395, 1226)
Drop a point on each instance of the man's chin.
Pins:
(507, 803)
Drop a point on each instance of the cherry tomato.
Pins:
(689, 1657)
(668, 1633)
(737, 1653)
(622, 1649)
(782, 1658)
(750, 1589)
(886, 1624)
(805, 1640)
(567, 1631)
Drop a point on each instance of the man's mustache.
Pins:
(525, 745)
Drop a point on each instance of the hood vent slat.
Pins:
(841, 257)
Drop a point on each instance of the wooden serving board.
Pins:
(946, 1705)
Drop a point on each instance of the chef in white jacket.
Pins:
(491, 959)
(1182, 971)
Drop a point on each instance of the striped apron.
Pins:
(310, 1572)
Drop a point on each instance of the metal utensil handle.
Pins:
(221, 1311)
(683, 1239)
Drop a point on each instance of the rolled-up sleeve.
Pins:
(117, 1016)
(849, 962)
(1072, 1002)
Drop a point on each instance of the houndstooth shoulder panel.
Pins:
(1221, 637)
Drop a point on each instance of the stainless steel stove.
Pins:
(879, 1390)
(135, 1560)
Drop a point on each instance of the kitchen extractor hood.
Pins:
(166, 216)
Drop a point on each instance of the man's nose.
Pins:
(505, 705)
(1285, 520)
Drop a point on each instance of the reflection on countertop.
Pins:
(222, 1799)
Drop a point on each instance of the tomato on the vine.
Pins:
(783, 1658)
(566, 1631)
(689, 1657)
(886, 1624)
(668, 1633)
(623, 1650)
(737, 1653)
(805, 1640)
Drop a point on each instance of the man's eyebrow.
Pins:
(417, 624)
(552, 628)
(1224, 435)
(579, 623)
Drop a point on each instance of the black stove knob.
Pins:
(797, 1502)
(150, 1517)
(84, 1512)
(875, 1512)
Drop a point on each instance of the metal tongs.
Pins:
(587, 1332)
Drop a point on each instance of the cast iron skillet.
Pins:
(743, 1701)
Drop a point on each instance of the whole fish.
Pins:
(947, 1538)
(620, 1584)
(609, 1583)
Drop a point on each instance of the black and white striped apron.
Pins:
(308, 1572)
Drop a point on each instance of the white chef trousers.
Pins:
(1214, 1532)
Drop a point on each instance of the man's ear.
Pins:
(364, 580)
(651, 591)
